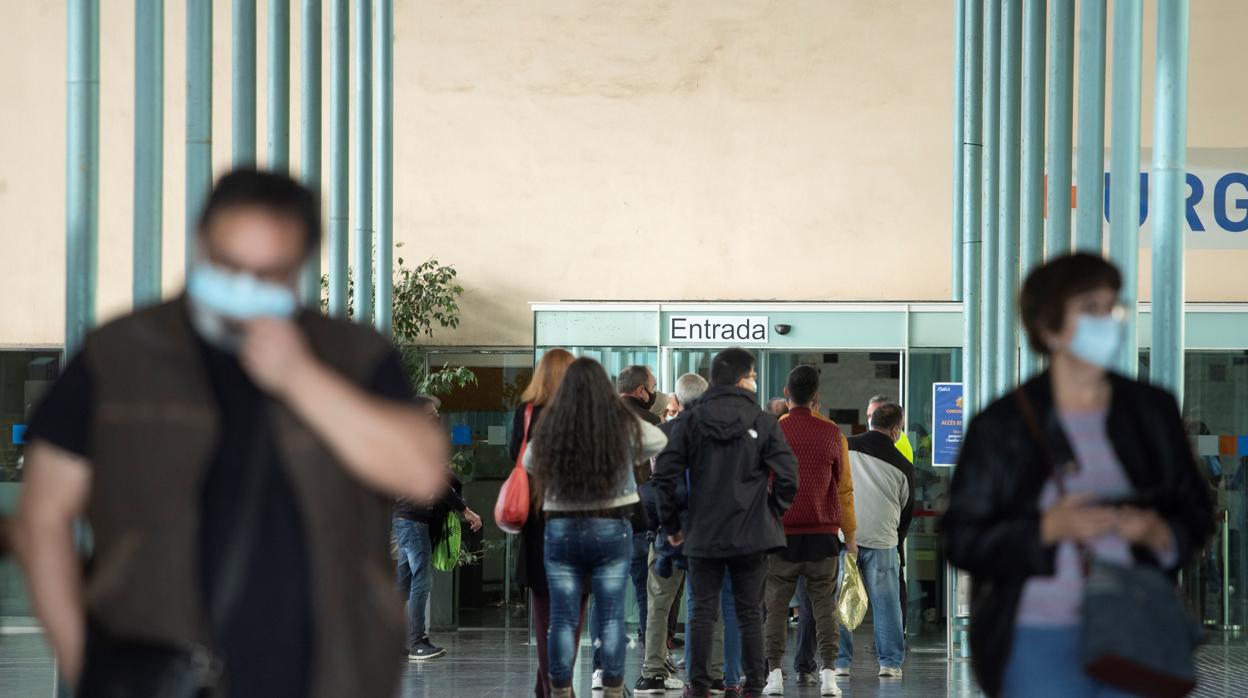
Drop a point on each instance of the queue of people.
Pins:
(721, 500)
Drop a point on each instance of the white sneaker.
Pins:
(890, 673)
(598, 679)
(775, 683)
(672, 683)
(841, 671)
(828, 679)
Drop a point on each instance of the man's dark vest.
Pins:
(154, 432)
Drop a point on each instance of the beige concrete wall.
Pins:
(558, 149)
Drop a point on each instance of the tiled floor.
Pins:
(498, 663)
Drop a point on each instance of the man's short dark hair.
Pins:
(887, 417)
(803, 384)
(274, 191)
(632, 378)
(426, 401)
(730, 366)
(1042, 303)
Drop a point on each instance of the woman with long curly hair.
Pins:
(583, 453)
(531, 553)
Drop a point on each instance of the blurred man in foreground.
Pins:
(228, 451)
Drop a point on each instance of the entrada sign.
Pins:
(718, 329)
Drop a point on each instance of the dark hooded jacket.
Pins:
(731, 450)
(992, 526)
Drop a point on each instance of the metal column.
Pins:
(972, 153)
(339, 59)
(1090, 170)
(198, 115)
(991, 233)
(959, 89)
(383, 113)
(1031, 212)
(310, 128)
(243, 81)
(149, 137)
(1061, 79)
(361, 93)
(1124, 190)
(1006, 339)
(82, 169)
(1170, 190)
(279, 85)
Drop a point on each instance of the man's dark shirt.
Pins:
(267, 639)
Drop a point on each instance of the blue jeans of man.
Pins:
(601, 550)
(415, 555)
(880, 570)
(1046, 662)
(804, 659)
(726, 644)
(639, 572)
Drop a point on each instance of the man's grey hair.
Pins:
(633, 378)
(887, 417)
(880, 398)
(690, 387)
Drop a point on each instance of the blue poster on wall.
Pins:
(946, 423)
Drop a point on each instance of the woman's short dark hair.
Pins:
(1042, 303)
(275, 191)
(730, 366)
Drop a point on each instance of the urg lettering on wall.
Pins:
(718, 329)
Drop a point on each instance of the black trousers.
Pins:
(706, 577)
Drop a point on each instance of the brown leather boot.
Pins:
(613, 691)
(565, 692)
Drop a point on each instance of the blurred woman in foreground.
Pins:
(1078, 462)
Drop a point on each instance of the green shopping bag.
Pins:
(446, 552)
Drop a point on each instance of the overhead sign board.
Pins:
(721, 330)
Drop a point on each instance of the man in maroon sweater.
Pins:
(823, 508)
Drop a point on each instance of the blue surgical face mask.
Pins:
(1097, 339)
(220, 298)
(237, 295)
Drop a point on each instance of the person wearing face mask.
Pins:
(638, 388)
(730, 450)
(230, 452)
(884, 504)
(1129, 492)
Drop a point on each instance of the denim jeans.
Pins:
(726, 641)
(1046, 662)
(600, 549)
(415, 554)
(639, 572)
(804, 658)
(880, 570)
(748, 574)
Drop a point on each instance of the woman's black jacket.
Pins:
(992, 526)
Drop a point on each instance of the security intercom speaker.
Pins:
(784, 329)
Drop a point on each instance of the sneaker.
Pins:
(674, 684)
(828, 683)
(598, 679)
(717, 687)
(775, 683)
(690, 694)
(652, 686)
(677, 642)
(841, 671)
(806, 678)
(424, 650)
(890, 673)
(732, 692)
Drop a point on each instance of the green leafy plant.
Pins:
(426, 298)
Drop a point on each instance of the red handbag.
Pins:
(512, 508)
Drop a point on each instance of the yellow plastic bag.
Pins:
(851, 602)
